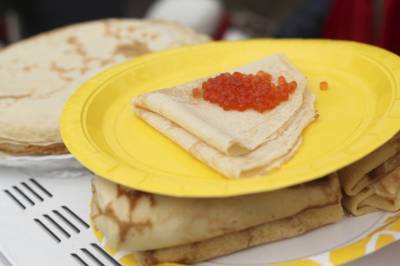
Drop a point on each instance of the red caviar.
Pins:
(241, 92)
(323, 85)
(196, 93)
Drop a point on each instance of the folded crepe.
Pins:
(38, 74)
(373, 183)
(237, 144)
(187, 230)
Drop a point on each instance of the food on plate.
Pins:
(39, 74)
(323, 86)
(242, 123)
(188, 230)
(373, 183)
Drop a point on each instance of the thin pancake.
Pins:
(136, 221)
(229, 132)
(34, 88)
(265, 158)
(382, 195)
(359, 175)
(272, 231)
(56, 148)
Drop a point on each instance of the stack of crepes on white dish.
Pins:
(39, 74)
(373, 183)
(159, 229)
(235, 143)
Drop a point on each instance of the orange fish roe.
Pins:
(323, 85)
(196, 93)
(242, 92)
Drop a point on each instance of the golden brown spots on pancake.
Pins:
(126, 227)
(106, 62)
(149, 258)
(83, 70)
(123, 191)
(77, 46)
(109, 31)
(184, 260)
(107, 28)
(72, 40)
(56, 68)
(57, 148)
(140, 227)
(15, 97)
(87, 60)
(81, 51)
(29, 67)
(153, 36)
(134, 195)
(61, 71)
(131, 50)
(77, 49)
(131, 29)
(67, 79)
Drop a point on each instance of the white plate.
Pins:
(47, 165)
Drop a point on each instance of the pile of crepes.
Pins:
(40, 73)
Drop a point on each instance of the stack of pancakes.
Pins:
(39, 74)
(373, 183)
(188, 230)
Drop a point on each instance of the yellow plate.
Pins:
(358, 113)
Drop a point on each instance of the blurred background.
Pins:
(371, 21)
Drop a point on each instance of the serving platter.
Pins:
(357, 114)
